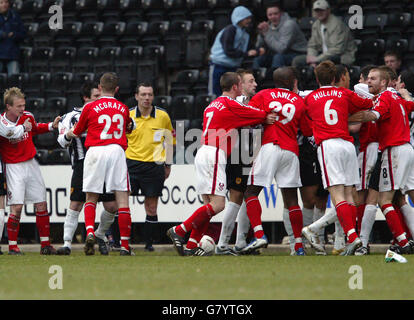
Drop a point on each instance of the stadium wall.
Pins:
(178, 201)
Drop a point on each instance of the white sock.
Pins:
(227, 226)
(328, 218)
(318, 214)
(69, 227)
(107, 219)
(408, 217)
(1, 222)
(243, 226)
(339, 241)
(367, 222)
(288, 228)
(307, 216)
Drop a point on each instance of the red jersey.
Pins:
(367, 134)
(22, 149)
(329, 109)
(290, 109)
(393, 123)
(106, 120)
(222, 116)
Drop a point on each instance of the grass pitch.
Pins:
(164, 275)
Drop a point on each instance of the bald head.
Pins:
(285, 77)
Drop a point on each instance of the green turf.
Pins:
(164, 275)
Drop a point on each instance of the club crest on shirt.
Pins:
(221, 186)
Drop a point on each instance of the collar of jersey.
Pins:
(138, 113)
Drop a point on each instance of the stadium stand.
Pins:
(166, 42)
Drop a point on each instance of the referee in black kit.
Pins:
(149, 155)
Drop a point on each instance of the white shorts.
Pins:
(24, 183)
(210, 165)
(339, 163)
(275, 162)
(397, 169)
(105, 165)
(367, 160)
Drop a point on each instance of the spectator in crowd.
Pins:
(280, 38)
(230, 48)
(11, 33)
(331, 39)
(392, 59)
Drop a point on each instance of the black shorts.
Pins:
(3, 185)
(76, 184)
(236, 180)
(310, 171)
(148, 177)
(375, 175)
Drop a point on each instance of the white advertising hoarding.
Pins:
(179, 198)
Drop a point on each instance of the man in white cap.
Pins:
(331, 39)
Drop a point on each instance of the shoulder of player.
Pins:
(28, 114)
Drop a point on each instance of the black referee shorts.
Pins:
(236, 180)
(375, 175)
(147, 177)
(3, 185)
(76, 184)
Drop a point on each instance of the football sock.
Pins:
(197, 219)
(307, 216)
(345, 216)
(360, 214)
(227, 226)
(254, 212)
(197, 234)
(339, 241)
(69, 227)
(321, 219)
(124, 221)
(408, 218)
(43, 226)
(90, 212)
(296, 221)
(354, 215)
(151, 223)
(243, 226)
(1, 223)
(402, 222)
(13, 224)
(394, 224)
(289, 230)
(367, 223)
(107, 219)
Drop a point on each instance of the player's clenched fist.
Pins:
(27, 125)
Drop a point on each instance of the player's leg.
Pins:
(243, 227)
(151, 221)
(90, 214)
(124, 221)
(229, 218)
(407, 211)
(69, 227)
(2, 207)
(308, 195)
(13, 225)
(290, 200)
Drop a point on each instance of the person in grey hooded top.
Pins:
(230, 48)
(280, 39)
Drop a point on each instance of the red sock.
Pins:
(344, 213)
(124, 222)
(394, 224)
(197, 234)
(196, 220)
(13, 224)
(402, 221)
(43, 226)
(254, 212)
(354, 214)
(90, 213)
(360, 214)
(296, 220)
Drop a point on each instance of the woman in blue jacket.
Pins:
(11, 33)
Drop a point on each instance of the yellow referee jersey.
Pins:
(147, 142)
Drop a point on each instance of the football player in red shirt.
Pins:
(278, 156)
(221, 119)
(329, 108)
(397, 171)
(24, 180)
(106, 121)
